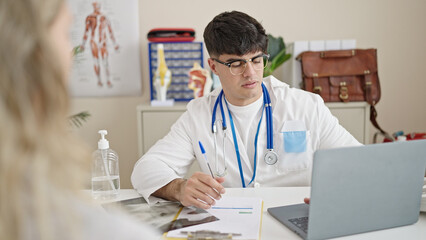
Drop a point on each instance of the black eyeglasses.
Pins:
(238, 66)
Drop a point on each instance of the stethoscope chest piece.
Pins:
(271, 157)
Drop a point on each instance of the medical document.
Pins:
(237, 215)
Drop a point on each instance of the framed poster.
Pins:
(105, 36)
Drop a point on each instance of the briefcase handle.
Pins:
(338, 53)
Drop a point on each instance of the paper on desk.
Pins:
(241, 215)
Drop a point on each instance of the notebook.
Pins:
(360, 189)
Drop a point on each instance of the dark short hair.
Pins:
(234, 33)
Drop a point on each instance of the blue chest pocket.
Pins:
(294, 141)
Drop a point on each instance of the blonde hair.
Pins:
(40, 161)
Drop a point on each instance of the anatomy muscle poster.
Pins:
(106, 56)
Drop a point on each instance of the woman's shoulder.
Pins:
(97, 223)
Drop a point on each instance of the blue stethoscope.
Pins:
(270, 156)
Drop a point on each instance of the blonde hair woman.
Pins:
(41, 164)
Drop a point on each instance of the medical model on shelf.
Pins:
(98, 24)
(199, 80)
(162, 76)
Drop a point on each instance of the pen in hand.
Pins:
(205, 157)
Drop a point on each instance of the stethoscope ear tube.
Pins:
(219, 173)
(218, 101)
(271, 157)
(269, 121)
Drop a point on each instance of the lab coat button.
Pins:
(256, 185)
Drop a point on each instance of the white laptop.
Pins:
(360, 189)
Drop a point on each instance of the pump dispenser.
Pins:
(105, 172)
(103, 143)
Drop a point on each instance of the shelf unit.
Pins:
(180, 58)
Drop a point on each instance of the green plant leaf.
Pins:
(275, 45)
(266, 72)
(78, 119)
(279, 59)
(276, 62)
(277, 53)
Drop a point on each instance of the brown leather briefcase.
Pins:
(343, 76)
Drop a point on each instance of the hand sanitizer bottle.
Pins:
(105, 174)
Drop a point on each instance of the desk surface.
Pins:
(273, 197)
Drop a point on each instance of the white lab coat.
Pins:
(292, 109)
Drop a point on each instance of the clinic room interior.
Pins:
(355, 128)
(395, 28)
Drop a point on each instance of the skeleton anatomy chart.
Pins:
(105, 36)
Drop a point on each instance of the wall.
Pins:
(395, 28)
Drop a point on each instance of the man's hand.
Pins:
(307, 200)
(200, 190)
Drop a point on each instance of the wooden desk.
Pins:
(273, 197)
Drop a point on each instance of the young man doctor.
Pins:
(265, 131)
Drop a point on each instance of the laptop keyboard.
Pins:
(301, 223)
